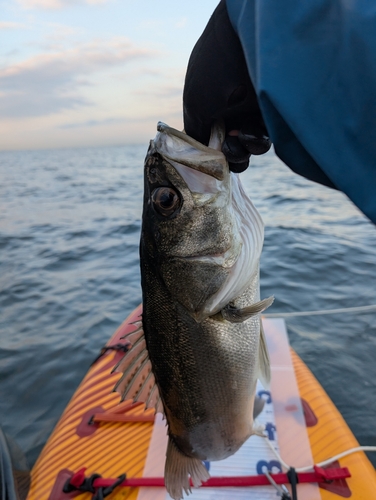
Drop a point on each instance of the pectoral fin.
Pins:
(258, 406)
(264, 361)
(236, 315)
(138, 382)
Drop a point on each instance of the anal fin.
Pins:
(179, 468)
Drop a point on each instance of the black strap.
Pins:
(293, 478)
(87, 486)
(285, 496)
(104, 492)
(115, 347)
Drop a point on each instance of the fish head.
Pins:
(191, 232)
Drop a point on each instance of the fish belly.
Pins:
(228, 385)
(206, 374)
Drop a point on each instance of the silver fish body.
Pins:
(200, 247)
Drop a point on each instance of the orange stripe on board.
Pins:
(93, 396)
(331, 435)
(70, 429)
(123, 451)
(94, 371)
(80, 451)
(116, 448)
(126, 434)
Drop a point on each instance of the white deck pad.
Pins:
(285, 425)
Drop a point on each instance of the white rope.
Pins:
(321, 464)
(345, 453)
(371, 307)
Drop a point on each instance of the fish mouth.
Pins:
(178, 147)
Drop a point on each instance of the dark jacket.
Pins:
(313, 66)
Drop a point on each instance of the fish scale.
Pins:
(199, 252)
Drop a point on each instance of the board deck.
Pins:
(303, 422)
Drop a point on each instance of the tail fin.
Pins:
(178, 468)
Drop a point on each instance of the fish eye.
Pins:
(165, 201)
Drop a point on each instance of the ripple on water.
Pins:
(69, 275)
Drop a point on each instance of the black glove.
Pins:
(218, 86)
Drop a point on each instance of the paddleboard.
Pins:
(123, 443)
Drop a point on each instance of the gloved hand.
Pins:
(218, 86)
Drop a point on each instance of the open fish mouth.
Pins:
(178, 147)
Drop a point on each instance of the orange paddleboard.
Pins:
(101, 436)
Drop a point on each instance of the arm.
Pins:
(313, 69)
(218, 86)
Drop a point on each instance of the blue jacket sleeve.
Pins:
(313, 65)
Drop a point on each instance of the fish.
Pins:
(199, 347)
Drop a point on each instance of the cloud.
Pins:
(181, 23)
(110, 121)
(52, 82)
(57, 4)
(161, 91)
(58, 37)
(8, 25)
(95, 123)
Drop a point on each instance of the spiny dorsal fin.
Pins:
(146, 388)
(132, 389)
(138, 382)
(264, 361)
(236, 315)
(133, 352)
(153, 398)
(179, 468)
(126, 381)
(133, 336)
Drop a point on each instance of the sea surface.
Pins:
(69, 275)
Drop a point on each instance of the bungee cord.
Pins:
(320, 464)
(281, 489)
(369, 308)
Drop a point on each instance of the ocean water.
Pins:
(69, 275)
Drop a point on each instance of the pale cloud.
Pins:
(59, 37)
(169, 91)
(57, 4)
(137, 73)
(8, 25)
(110, 121)
(62, 30)
(96, 2)
(94, 123)
(181, 23)
(46, 132)
(51, 82)
(161, 91)
(151, 24)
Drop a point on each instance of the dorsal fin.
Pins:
(138, 382)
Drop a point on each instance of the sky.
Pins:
(76, 73)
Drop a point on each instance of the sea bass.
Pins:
(200, 349)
